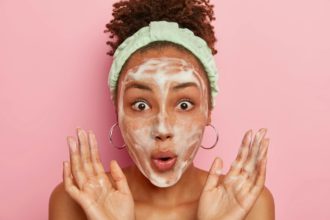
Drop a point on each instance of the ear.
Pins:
(116, 113)
(208, 117)
(116, 109)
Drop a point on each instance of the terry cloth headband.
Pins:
(164, 31)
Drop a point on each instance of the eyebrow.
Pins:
(138, 86)
(185, 85)
(147, 88)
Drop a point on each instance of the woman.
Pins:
(163, 82)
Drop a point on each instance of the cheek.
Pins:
(137, 139)
(188, 131)
(190, 151)
(195, 142)
(188, 135)
(136, 133)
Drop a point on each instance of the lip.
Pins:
(163, 166)
(163, 161)
(163, 154)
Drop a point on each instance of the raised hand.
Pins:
(235, 196)
(87, 183)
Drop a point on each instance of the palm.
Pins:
(87, 183)
(99, 197)
(241, 186)
(219, 201)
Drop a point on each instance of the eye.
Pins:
(140, 105)
(185, 105)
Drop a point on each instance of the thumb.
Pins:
(119, 177)
(214, 173)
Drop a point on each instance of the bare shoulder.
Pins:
(62, 206)
(264, 208)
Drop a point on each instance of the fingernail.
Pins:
(91, 134)
(261, 132)
(218, 171)
(116, 163)
(72, 145)
(250, 136)
(79, 131)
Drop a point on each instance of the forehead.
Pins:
(162, 70)
(162, 64)
(168, 61)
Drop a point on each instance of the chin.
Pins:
(169, 178)
(163, 183)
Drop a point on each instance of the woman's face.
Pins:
(162, 111)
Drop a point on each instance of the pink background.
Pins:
(274, 72)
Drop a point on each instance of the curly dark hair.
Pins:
(131, 15)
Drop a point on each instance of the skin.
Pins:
(87, 192)
(173, 100)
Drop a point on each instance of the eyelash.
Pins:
(139, 100)
(186, 100)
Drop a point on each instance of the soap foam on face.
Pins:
(139, 133)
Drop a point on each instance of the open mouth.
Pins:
(165, 158)
(163, 161)
(164, 164)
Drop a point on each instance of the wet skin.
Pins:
(162, 113)
(184, 192)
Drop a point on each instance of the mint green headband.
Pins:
(164, 31)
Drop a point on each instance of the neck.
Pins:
(186, 190)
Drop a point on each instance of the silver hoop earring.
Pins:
(216, 141)
(110, 137)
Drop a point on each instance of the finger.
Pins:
(251, 181)
(119, 177)
(249, 165)
(85, 152)
(98, 167)
(242, 155)
(250, 175)
(256, 145)
(69, 186)
(214, 173)
(260, 182)
(263, 148)
(75, 163)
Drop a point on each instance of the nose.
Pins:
(163, 136)
(162, 130)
